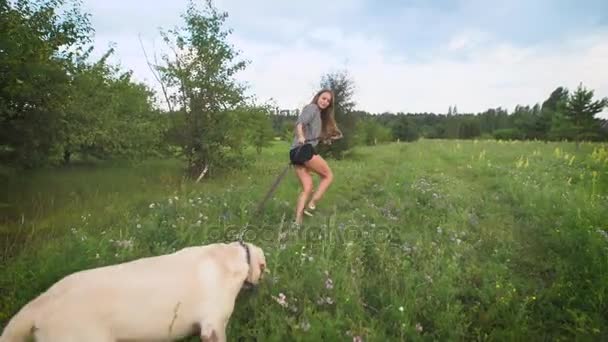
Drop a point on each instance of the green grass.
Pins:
(433, 240)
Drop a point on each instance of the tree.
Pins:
(199, 79)
(580, 111)
(343, 87)
(40, 41)
(551, 112)
(109, 115)
(372, 132)
(404, 128)
(260, 129)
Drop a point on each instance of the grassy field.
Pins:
(433, 240)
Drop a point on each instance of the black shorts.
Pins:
(301, 154)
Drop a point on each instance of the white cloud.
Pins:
(467, 39)
(490, 75)
(471, 70)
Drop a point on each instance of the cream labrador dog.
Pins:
(160, 298)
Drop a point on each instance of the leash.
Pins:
(274, 186)
(280, 178)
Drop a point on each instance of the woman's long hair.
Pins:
(329, 128)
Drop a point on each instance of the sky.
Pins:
(403, 56)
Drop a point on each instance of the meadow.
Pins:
(430, 240)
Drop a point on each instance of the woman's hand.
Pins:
(334, 136)
(301, 140)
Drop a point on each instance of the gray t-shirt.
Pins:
(310, 118)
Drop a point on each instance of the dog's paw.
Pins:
(208, 334)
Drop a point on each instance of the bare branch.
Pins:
(162, 85)
(202, 173)
(181, 79)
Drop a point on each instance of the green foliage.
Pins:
(55, 104)
(343, 87)
(39, 46)
(404, 129)
(580, 111)
(259, 126)
(370, 132)
(110, 115)
(507, 134)
(562, 116)
(200, 79)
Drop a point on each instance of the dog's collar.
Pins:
(248, 253)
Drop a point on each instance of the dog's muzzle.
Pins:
(247, 285)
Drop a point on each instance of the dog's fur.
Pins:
(159, 298)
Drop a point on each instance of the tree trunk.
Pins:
(66, 156)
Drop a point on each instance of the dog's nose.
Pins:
(248, 286)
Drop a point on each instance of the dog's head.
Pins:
(257, 266)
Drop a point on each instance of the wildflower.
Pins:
(419, 327)
(603, 233)
(152, 205)
(329, 284)
(138, 225)
(304, 325)
(282, 300)
(126, 244)
(325, 300)
(401, 308)
(357, 339)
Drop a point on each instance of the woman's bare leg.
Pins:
(319, 165)
(306, 181)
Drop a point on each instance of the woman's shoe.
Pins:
(310, 210)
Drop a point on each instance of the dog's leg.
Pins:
(213, 331)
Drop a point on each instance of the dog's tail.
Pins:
(20, 327)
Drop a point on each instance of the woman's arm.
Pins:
(300, 133)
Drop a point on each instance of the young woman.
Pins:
(315, 124)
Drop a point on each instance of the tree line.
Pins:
(563, 116)
(57, 105)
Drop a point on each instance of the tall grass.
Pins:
(433, 240)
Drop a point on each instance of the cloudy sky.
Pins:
(409, 56)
